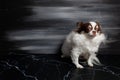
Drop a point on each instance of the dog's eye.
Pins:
(90, 27)
(96, 27)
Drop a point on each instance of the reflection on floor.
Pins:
(52, 67)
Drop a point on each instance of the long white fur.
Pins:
(77, 44)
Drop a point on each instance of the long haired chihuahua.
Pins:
(83, 41)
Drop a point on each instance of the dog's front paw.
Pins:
(62, 56)
(79, 66)
(90, 64)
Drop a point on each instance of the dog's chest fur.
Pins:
(86, 44)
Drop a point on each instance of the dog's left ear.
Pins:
(98, 23)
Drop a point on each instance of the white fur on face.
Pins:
(93, 24)
(94, 28)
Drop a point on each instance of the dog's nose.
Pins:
(94, 32)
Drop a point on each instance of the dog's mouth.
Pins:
(92, 35)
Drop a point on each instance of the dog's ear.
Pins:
(99, 27)
(98, 23)
(79, 27)
(79, 24)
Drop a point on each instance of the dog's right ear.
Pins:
(79, 27)
(79, 24)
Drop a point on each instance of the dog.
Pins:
(84, 42)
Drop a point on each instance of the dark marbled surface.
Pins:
(52, 67)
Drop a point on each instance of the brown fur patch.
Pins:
(82, 27)
(85, 27)
(99, 27)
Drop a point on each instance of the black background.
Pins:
(39, 27)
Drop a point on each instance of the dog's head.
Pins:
(91, 28)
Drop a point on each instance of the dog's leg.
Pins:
(96, 61)
(75, 60)
(90, 59)
(62, 56)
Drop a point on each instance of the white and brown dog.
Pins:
(85, 42)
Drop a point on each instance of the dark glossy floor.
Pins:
(52, 67)
(32, 32)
